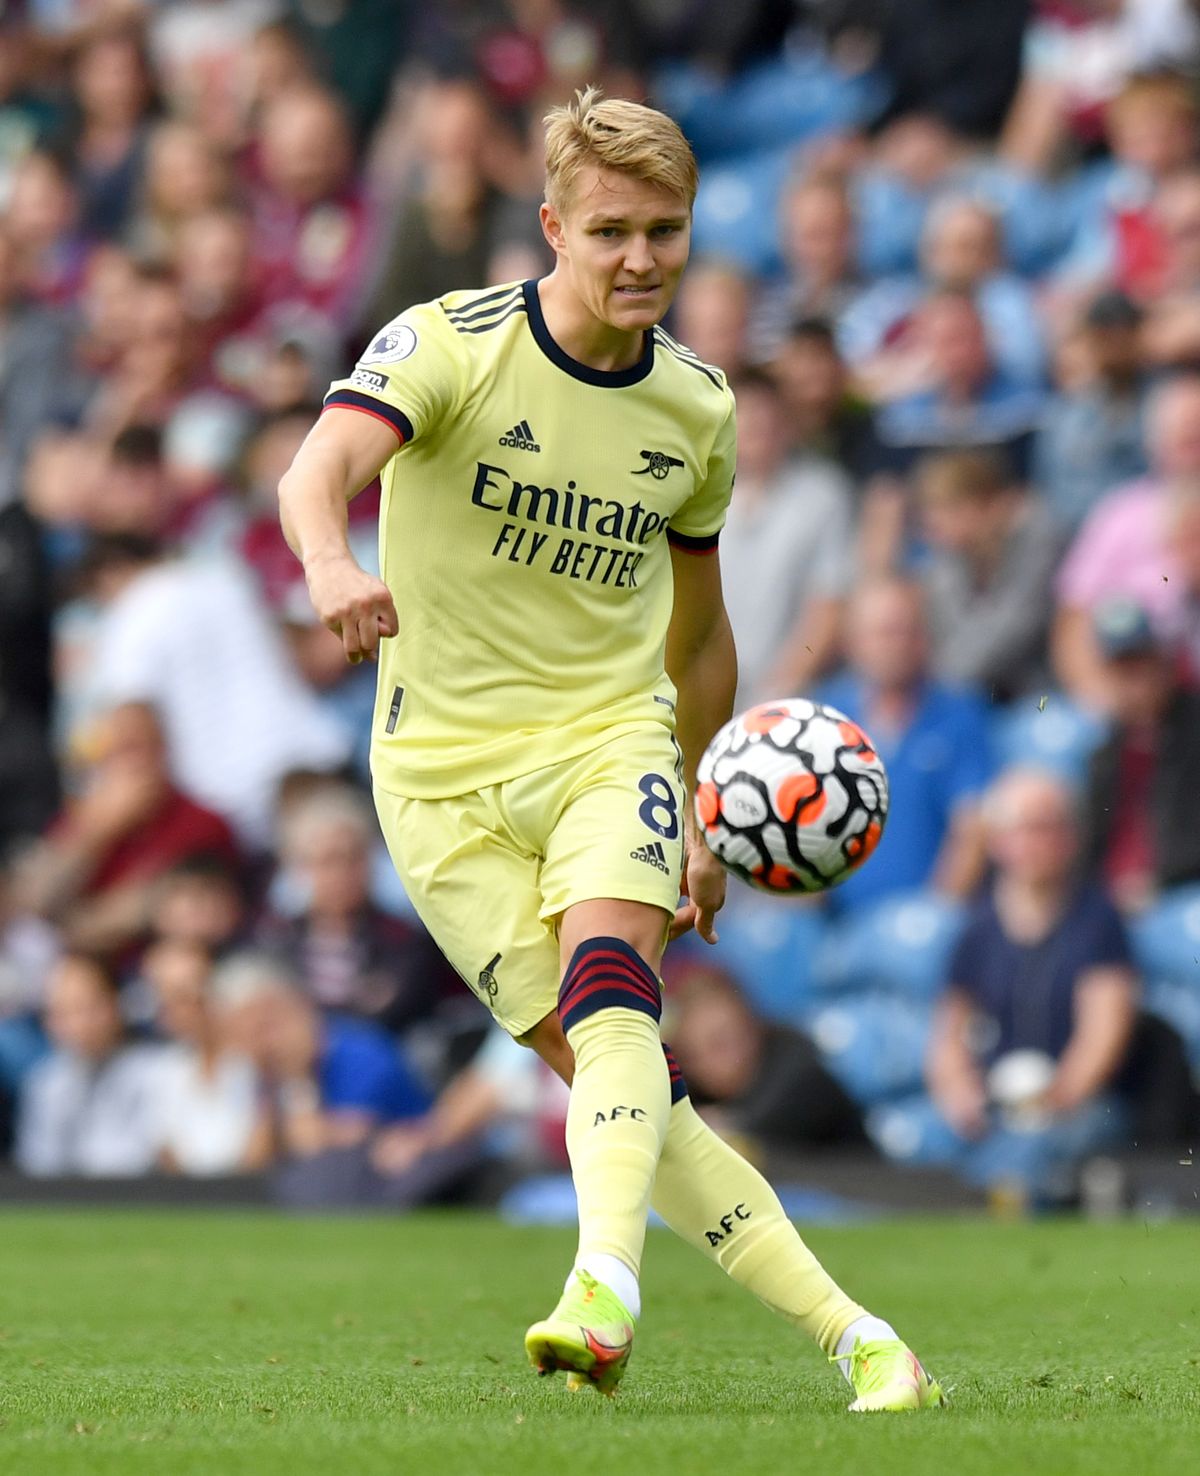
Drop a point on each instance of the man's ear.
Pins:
(552, 228)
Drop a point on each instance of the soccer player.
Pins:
(556, 470)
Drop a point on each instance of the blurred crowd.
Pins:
(949, 256)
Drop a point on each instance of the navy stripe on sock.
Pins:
(678, 1085)
(604, 974)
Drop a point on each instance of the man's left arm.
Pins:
(1105, 1009)
(702, 663)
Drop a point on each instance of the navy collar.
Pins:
(558, 356)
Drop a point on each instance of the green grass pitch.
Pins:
(223, 1343)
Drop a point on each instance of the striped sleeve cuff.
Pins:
(705, 544)
(347, 399)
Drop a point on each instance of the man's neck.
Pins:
(584, 337)
(1029, 909)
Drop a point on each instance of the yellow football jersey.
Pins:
(523, 533)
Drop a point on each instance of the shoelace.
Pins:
(859, 1360)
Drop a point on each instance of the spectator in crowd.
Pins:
(450, 221)
(961, 251)
(933, 739)
(112, 93)
(1039, 1011)
(969, 400)
(28, 778)
(829, 419)
(820, 278)
(28, 950)
(1078, 59)
(203, 903)
(711, 314)
(43, 223)
(202, 56)
(1124, 546)
(332, 1080)
(988, 580)
(349, 954)
(157, 365)
(34, 366)
(1172, 331)
(1092, 437)
(757, 1079)
(1142, 815)
(91, 1106)
(95, 872)
(185, 175)
(960, 65)
(786, 551)
(825, 414)
(192, 639)
(311, 223)
(1152, 126)
(504, 1106)
(211, 1116)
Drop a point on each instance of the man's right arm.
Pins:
(344, 451)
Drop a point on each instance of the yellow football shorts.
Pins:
(490, 873)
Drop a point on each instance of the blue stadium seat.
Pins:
(772, 104)
(1166, 940)
(900, 945)
(874, 1044)
(737, 210)
(912, 1130)
(1057, 735)
(769, 945)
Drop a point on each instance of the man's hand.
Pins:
(703, 886)
(120, 797)
(352, 603)
(963, 1103)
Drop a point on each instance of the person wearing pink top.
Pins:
(1126, 545)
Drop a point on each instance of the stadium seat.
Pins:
(874, 1044)
(769, 945)
(775, 103)
(737, 209)
(913, 1131)
(900, 945)
(1048, 733)
(1166, 940)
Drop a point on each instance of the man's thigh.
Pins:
(476, 889)
(617, 827)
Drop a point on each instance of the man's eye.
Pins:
(666, 230)
(607, 232)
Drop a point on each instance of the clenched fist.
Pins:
(352, 603)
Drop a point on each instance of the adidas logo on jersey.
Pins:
(652, 854)
(520, 438)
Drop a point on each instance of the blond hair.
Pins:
(613, 133)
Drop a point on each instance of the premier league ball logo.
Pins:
(396, 342)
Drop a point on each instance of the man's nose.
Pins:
(638, 256)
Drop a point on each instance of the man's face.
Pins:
(623, 243)
(887, 636)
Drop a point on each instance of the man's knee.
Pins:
(607, 974)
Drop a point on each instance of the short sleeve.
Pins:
(1108, 942)
(1091, 568)
(697, 524)
(411, 375)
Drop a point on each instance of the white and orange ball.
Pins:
(791, 796)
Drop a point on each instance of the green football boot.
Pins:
(589, 1335)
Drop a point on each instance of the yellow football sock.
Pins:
(708, 1194)
(620, 1097)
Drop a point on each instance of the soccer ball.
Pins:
(791, 796)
